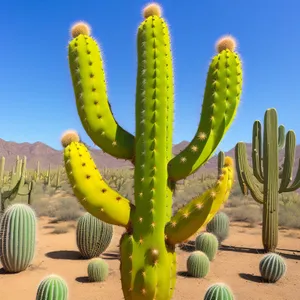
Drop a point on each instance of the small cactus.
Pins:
(97, 270)
(219, 291)
(198, 264)
(272, 267)
(93, 236)
(207, 243)
(18, 237)
(53, 287)
(219, 226)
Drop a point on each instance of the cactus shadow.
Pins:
(288, 255)
(110, 255)
(242, 249)
(183, 274)
(187, 247)
(250, 277)
(64, 254)
(82, 279)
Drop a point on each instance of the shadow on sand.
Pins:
(251, 277)
(64, 254)
(82, 279)
(110, 255)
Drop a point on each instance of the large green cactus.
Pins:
(262, 180)
(18, 237)
(148, 261)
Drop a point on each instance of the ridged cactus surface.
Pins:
(219, 226)
(219, 291)
(53, 287)
(18, 237)
(207, 243)
(272, 267)
(93, 236)
(147, 248)
(97, 270)
(198, 264)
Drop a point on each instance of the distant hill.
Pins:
(46, 155)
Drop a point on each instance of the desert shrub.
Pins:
(60, 230)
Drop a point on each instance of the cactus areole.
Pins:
(148, 261)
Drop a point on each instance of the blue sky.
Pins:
(36, 95)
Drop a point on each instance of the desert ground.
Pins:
(236, 264)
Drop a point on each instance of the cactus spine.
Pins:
(18, 237)
(97, 270)
(207, 243)
(148, 261)
(198, 264)
(92, 236)
(272, 267)
(219, 291)
(219, 226)
(53, 287)
(263, 181)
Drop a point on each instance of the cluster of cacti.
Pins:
(148, 261)
(198, 264)
(266, 180)
(18, 188)
(219, 226)
(219, 291)
(97, 270)
(207, 243)
(272, 267)
(18, 237)
(93, 236)
(53, 287)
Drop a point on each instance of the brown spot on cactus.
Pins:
(80, 28)
(69, 137)
(226, 42)
(152, 9)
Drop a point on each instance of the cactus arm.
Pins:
(88, 77)
(296, 183)
(221, 99)
(199, 211)
(256, 152)
(245, 175)
(221, 157)
(287, 171)
(281, 137)
(91, 190)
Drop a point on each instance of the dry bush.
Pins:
(60, 230)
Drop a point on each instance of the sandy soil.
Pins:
(236, 265)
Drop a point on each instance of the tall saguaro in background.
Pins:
(148, 261)
(266, 180)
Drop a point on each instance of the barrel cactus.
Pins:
(147, 248)
(219, 226)
(207, 243)
(18, 237)
(97, 270)
(219, 291)
(272, 267)
(53, 287)
(93, 236)
(198, 264)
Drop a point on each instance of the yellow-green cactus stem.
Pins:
(220, 103)
(88, 185)
(89, 83)
(198, 212)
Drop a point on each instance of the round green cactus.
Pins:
(219, 226)
(52, 287)
(219, 291)
(198, 264)
(207, 243)
(93, 236)
(97, 270)
(272, 267)
(18, 237)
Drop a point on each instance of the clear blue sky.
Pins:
(36, 95)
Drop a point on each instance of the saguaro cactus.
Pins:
(147, 248)
(263, 180)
